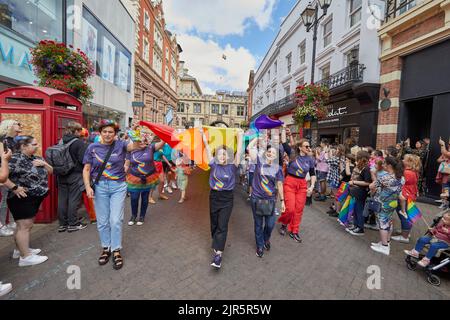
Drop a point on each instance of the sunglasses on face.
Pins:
(307, 147)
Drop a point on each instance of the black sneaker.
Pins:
(320, 198)
(356, 232)
(334, 214)
(259, 253)
(78, 226)
(295, 236)
(267, 246)
(283, 229)
(331, 211)
(62, 229)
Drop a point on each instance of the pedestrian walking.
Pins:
(182, 171)
(222, 181)
(295, 190)
(142, 176)
(104, 180)
(70, 185)
(157, 159)
(28, 185)
(267, 179)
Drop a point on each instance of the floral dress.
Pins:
(387, 193)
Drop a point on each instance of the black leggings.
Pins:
(220, 208)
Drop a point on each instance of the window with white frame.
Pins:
(355, 12)
(301, 81)
(275, 67)
(268, 76)
(405, 5)
(146, 20)
(287, 91)
(197, 108)
(267, 98)
(349, 56)
(225, 109)
(325, 71)
(215, 108)
(289, 62)
(240, 111)
(302, 52)
(158, 38)
(274, 95)
(157, 63)
(327, 33)
(167, 75)
(173, 82)
(146, 50)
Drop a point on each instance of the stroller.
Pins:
(438, 263)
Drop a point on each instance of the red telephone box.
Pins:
(43, 113)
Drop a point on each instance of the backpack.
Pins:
(58, 156)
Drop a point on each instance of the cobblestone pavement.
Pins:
(168, 258)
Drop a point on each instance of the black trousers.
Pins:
(70, 192)
(220, 208)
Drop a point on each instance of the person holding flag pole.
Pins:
(222, 181)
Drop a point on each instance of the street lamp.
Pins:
(311, 19)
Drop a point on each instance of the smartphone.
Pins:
(5, 147)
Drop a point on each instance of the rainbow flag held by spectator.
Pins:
(413, 212)
(347, 210)
(342, 192)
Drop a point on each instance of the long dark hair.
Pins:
(397, 165)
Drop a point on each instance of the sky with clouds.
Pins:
(240, 30)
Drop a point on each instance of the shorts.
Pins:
(25, 208)
(166, 166)
(159, 167)
(321, 176)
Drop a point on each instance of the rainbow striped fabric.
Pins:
(413, 212)
(346, 213)
(342, 192)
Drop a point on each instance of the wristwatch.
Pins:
(14, 188)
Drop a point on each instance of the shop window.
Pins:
(110, 57)
(35, 20)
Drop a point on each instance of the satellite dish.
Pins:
(385, 104)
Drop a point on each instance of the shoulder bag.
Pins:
(102, 168)
(444, 167)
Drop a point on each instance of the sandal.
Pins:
(117, 260)
(104, 257)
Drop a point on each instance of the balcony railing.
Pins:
(394, 8)
(350, 74)
(280, 106)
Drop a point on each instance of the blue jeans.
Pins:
(434, 247)
(134, 196)
(109, 205)
(263, 225)
(358, 215)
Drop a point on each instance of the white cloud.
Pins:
(219, 17)
(204, 60)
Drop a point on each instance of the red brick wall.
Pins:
(419, 30)
(390, 117)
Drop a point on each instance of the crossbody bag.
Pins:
(102, 168)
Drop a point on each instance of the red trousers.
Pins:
(89, 204)
(295, 198)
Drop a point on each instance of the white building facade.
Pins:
(347, 62)
(105, 31)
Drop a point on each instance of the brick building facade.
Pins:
(415, 68)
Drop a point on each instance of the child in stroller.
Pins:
(438, 239)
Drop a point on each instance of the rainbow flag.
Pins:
(347, 210)
(413, 212)
(342, 192)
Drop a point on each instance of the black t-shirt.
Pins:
(345, 177)
(360, 193)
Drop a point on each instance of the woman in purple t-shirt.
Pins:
(142, 176)
(295, 190)
(111, 189)
(222, 181)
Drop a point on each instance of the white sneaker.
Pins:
(169, 190)
(139, 223)
(400, 238)
(6, 232)
(174, 186)
(376, 244)
(165, 185)
(12, 225)
(32, 260)
(16, 253)
(277, 212)
(5, 288)
(382, 249)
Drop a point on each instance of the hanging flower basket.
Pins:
(63, 68)
(310, 101)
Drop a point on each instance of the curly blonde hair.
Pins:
(413, 162)
(6, 127)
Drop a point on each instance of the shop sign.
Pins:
(15, 60)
